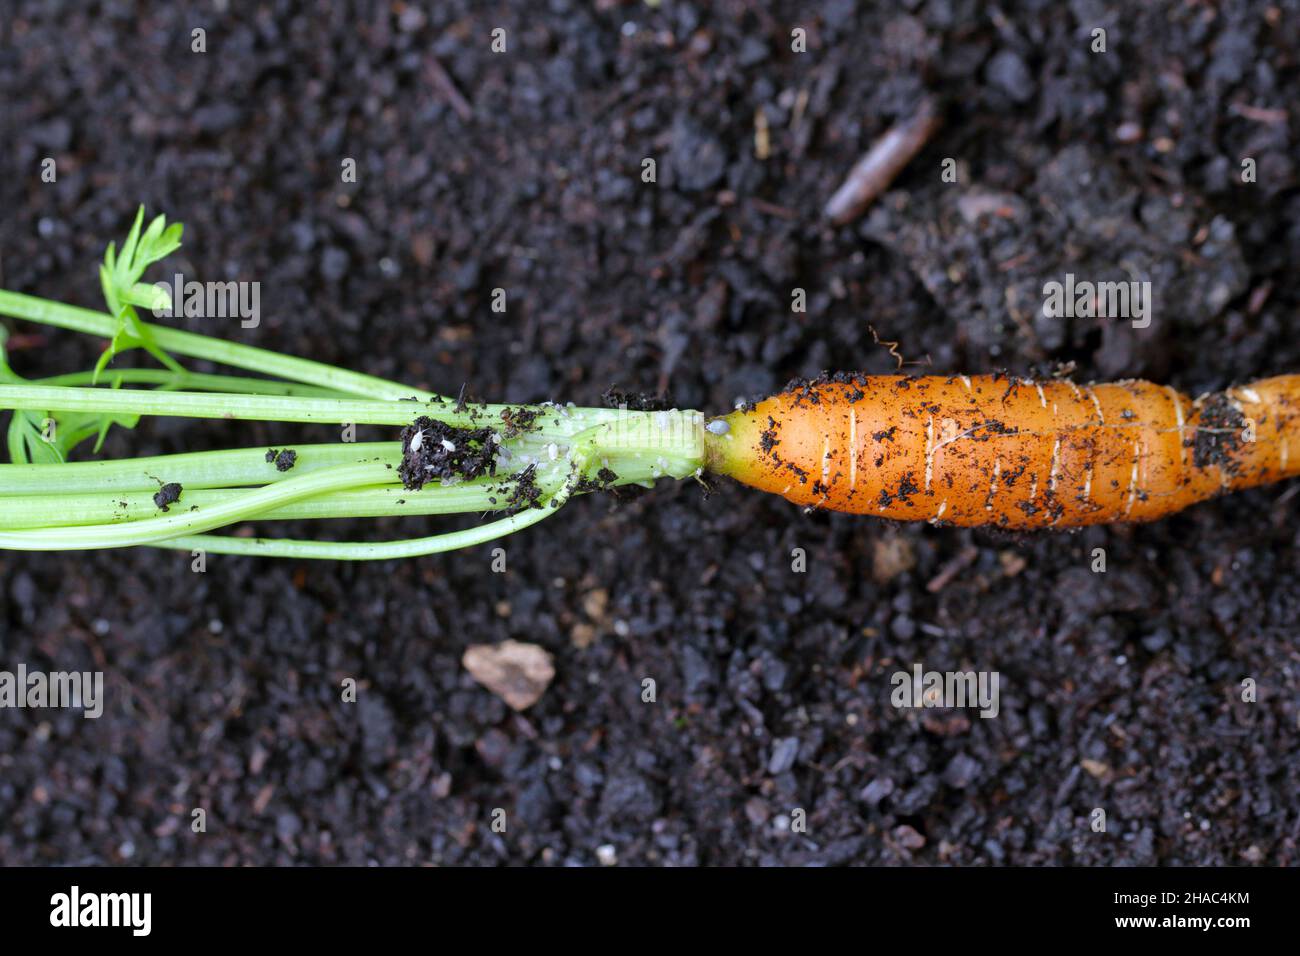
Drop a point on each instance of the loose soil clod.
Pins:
(525, 493)
(517, 421)
(1218, 438)
(634, 401)
(603, 481)
(283, 460)
(435, 451)
(167, 495)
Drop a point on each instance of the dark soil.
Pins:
(433, 450)
(523, 491)
(1120, 690)
(167, 495)
(1219, 441)
(518, 421)
(283, 460)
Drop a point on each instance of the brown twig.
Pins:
(444, 84)
(873, 173)
(953, 567)
(1259, 114)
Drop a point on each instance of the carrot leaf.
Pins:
(120, 275)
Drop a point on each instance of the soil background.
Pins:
(1119, 690)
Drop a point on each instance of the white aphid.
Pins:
(552, 451)
(450, 446)
(416, 441)
(718, 426)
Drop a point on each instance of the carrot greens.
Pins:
(528, 461)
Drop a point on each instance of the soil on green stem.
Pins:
(604, 481)
(283, 460)
(432, 450)
(518, 421)
(167, 495)
(524, 491)
(1119, 689)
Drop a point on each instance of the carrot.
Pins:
(1008, 452)
(985, 450)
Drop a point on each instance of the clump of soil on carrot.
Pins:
(517, 421)
(283, 460)
(167, 495)
(524, 493)
(435, 451)
(603, 481)
(1219, 433)
(807, 388)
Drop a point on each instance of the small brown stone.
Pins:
(518, 673)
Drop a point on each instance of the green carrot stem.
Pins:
(370, 551)
(553, 423)
(196, 381)
(208, 469)
(265, 408)
(639, 446)
(360, 550)
(53, 511)
(249, 357)
(247, 505)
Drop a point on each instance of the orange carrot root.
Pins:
(1009, 452)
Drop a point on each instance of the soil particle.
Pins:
(432, 450)
(907, 487)
(1218, 434)
(634, 401)
(517, 421)
(283, 460)
(784, 752)
(516, 672)
(524, 491)
(876, 791)
(697, 157)
(167, 495)
(604, 481)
